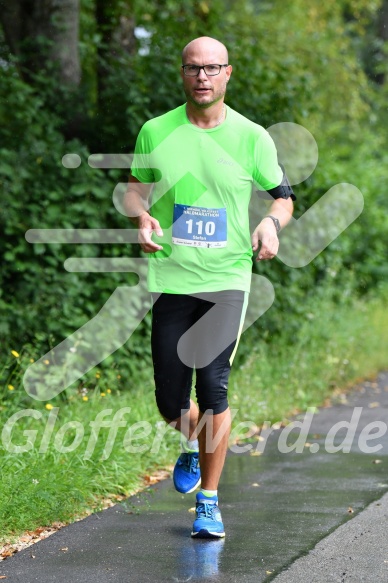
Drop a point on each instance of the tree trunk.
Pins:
(116, 25)
(42, 32)
(382, 33)
(383, 21)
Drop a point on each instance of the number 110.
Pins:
(210, 227)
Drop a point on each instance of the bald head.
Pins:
(206, 48)
(203, 90)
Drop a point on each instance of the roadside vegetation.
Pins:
(63, 470)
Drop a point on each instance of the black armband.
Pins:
(284, 189)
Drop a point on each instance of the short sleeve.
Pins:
(267, 173)
(140, 167)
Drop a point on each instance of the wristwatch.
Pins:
(276, 222)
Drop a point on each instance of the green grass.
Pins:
(335, 346)
(39, 488)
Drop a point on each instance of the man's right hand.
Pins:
(148, 225)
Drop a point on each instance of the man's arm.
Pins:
(136, 207)
(281, 209)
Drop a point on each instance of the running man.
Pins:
(199, 163)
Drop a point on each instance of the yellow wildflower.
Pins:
(102, 394)
(85, 398)
(46, 361)
(108, 391)
(15, 354)
(97, 375)
(11, 387)
(49, 406)
(32, 360)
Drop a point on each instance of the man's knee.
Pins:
(212, 388)
(168, 409)
(215, 400)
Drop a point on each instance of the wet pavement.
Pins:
(318, 516)
(356, 552)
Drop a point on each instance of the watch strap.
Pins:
(275, 221)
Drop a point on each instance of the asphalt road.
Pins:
(316, 516)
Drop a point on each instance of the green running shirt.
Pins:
(203, 182)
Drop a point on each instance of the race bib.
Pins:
(196, 226)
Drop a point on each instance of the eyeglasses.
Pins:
(210, 70)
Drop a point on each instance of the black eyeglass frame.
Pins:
(203, 67)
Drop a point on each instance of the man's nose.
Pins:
(202, 75)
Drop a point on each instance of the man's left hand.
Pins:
(265, 233)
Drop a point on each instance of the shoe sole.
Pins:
(189, 491)
(203, 533)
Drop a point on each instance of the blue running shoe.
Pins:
(187, 475)
(208, 523)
